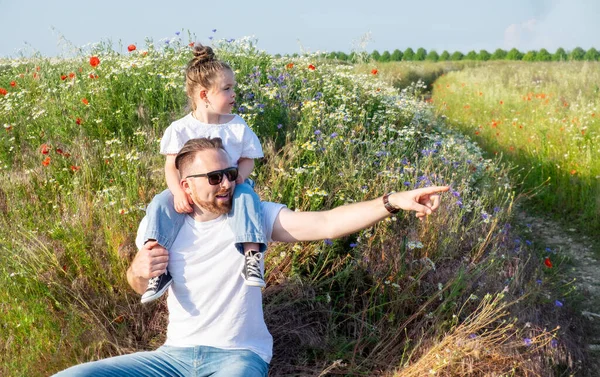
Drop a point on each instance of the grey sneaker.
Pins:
(252, 272)
(157, 287)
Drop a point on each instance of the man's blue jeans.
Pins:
(175, 361)
(245, 218)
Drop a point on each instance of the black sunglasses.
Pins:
(216, 177)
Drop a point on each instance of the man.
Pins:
(216, 324)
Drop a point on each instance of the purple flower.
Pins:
(214, 30)
(554, 343)
(328, 242)
(558, 303)
(455, 193)
(279, 126)
(317, 132)
(353, 245)
(333, 135)
(539, 281)
(472, 336)
(406, 183)
(177, 32)
(230, 40)
(210, 38)
(527, 342)
(528, 242)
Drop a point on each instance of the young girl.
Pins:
(210, 87)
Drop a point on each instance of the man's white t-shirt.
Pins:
(238, 139)
(209, 303)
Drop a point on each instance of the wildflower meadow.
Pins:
(460, 294)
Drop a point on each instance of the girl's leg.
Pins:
(246, 222)
(164, 223)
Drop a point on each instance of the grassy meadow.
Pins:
(543, 118)
(461, 294)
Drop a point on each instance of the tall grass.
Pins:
(542, 117)
(76, 176)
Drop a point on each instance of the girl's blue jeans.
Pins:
(245, 218)
(175, 361)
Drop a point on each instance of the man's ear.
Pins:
(185, 186)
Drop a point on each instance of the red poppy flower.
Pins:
(72, 75)
(3, 91)
(46, 161)
(374, 71)
(63, 77)
(548, 262)
(311, 67)
(85, 101)
(59, 151)
(573, 172)
(14, 83)
(191, 44)
(289, 65)
(131, 48)
(78, 121)
(75, 168)
(94, 61)
(8, 127)
(44, 149)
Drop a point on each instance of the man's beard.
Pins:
(218, 207)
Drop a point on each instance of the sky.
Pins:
(50, 26)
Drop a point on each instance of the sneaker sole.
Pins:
(157, 294)
(253, 282)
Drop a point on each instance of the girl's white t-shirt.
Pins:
(209, 303)
(238, 139)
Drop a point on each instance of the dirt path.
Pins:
(584, 271)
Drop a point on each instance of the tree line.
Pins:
(422, 54)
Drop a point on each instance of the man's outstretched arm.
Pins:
(293, 226)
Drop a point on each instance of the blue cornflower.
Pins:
(554, 343)
(558, 303)
(472, 336)
(333, 135)
(353, 245)
(279, 126)
(210, 37)
(214, 30)
(242, 109)
(527, 342)
(177, 32)
(317, 132)
(406, 183)
(328, 242)
(539, 281)
(528, 242)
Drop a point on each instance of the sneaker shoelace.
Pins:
(253, 263)
(153, 282)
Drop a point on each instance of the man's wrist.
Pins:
(388, 206)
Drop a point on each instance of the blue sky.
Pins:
(308, 25)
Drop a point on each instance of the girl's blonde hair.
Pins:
(202, 71)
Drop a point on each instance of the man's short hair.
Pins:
(187, 154)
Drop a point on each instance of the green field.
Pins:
(460, 294)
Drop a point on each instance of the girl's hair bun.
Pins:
(203, 54)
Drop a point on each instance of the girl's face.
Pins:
(221, 97)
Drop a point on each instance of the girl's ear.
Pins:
(202, 94)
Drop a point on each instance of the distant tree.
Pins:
(396, 55)
(457, 55)
(295, 55)
(471, 55)
(592, 55)
(332, 55)
(530, 56)
(386, 56)
(514, 54)
(484, 55)
(432, 56)
(543, 56)
(408, 55)
(560, 55)
(352, 57)
(277, 56)
(421, 54)
(499, 54)
(342, 56)
(445, 56)
(375, 55)
(577, 54)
